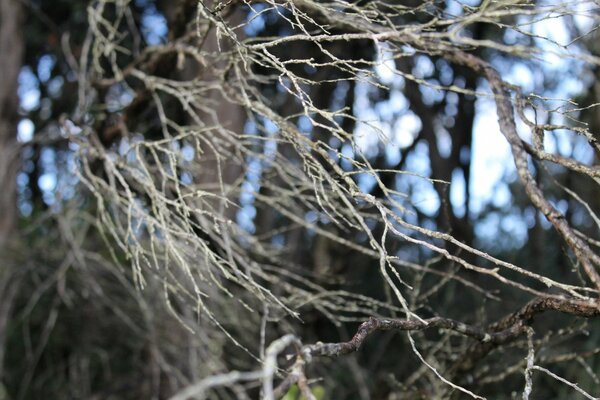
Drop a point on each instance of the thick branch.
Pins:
(503, 331)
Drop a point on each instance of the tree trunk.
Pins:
(11, 58)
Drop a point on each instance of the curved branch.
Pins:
(503, 331)
(506, 119)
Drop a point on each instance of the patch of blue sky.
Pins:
(430, 94)
(29, 91)
(386, 124)
(366, 182)
(128, 148)
(361, 99)
(406, 129)
(392, 154)
(124, 146)
(418, 160)
(305, 124)
(585, 15)
(25, 208)
(253, 172)
(348, 154)
(25, 130)
(270, 126)
(443, 141)
(334, 142)
(446, 73)
(175, 146)
(311, 217)
(582, 218)
(154, 26)
(44, 67)
(451, 108)
(423, 67)
(245, 218)
(560, 141)
(486, 230)
(491, 156)
(425, 198)
(550, 29)
(247, 193)
(501, 196)
(138, 220)
(47, 182)
(55, 86)
(555, 58)
(255, 21)
(339, 95)
(565, 77)
(515, 228)
(562, 205)
(69, 128)
(457, 7)
(269, 134)
(270, 150)
(522, 75)
(186, 178)
(398, 101)
(250, 127)
(251, 185)
(369, 135)
(24, 194)
(48, 156)
(187, 153)
(118, 97)
(529, 216)
(582, 152)
(422, 194)
(22, 179)
(457, 192)
(254, 169)
(385, 67)
(385, 111)
(537, 117)
(511, 230)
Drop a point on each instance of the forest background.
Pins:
(335, 199)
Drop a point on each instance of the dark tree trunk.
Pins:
(11, 57)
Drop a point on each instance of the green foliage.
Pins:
(294, 393)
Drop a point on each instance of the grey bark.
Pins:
(11, 58)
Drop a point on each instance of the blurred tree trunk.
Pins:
(11, 58)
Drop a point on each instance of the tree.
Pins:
(11, 53)
(266, 187)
